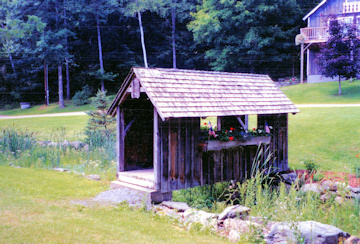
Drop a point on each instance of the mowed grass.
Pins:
(69, 128)
(328, 136)
(52, 108)
(324, 92)
(35, 207)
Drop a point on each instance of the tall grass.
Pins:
(279, 202)
(20, 148)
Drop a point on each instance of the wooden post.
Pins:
(120, 139)
(218, 123)
(302, 63)
(156, 152)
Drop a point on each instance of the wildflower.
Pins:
(204, 123)
(254, 129)
(231, 128)
(231, 138)
(357, 155)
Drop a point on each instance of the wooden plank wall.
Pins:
(181, 165)
(279, 140)
(226, 165)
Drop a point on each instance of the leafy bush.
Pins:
(311, 166)
(82, 97)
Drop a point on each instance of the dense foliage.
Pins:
(340, 55)
(96, 42)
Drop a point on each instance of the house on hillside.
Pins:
(316, 33)
(158, 113)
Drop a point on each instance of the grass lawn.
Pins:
(328, 136)
(324, 92)
(52, 108)
(35, 208)
(51, 128)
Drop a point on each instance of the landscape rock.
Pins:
(93, 177)
(169, 213)
(355, 195)
(243, 226)
(352, 240)
(202, 217)
(234, 235)
(329, 185)
(76, 144)
(289, 178)
(314, 187)
(308, 231)
(181, 206)
(86, 147)
(339, 200)
(60, 169)
(325, 197)
(43, 143)
(353, 189)
(234, 211)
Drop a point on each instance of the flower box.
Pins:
(221, 145)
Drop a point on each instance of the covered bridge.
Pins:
(158, 115)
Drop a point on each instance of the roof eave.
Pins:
(314, 10)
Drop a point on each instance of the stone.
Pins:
(86, 147)
(202, 217)
(339, 200)
(93, 177)
(234, 211)
(60, 169)
(181, 206)
(43, 143)
(76, 144)
(353, 189)
(168, 213)
(289, 178)
(355, 195)
(352, 240)
(329, 185)
(325, 197)
(313, 187)
(234, 235)
(243, 226)
(308, 231)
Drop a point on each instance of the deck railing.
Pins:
(351, 7)
(319, 34)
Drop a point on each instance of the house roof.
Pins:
(180, 93)
(314, 9)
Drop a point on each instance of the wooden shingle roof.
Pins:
(180, 93)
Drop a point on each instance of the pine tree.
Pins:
(101, 127)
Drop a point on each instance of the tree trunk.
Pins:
(142, 40)
(66, 59)
(61, 91)
(67, 78)
(339, 86)
(173, 38)
(100, 51)
(46, 83)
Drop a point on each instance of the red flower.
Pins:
(226, 131)
(231, 128)
(204, 123)
(254, 129)
(231, 138)
(357, 155)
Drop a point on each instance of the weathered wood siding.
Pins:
(180, 160)
(279, 141)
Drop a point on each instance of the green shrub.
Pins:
(311, 166)
(16, 141)
(82, 97)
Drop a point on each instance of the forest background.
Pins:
(95, 42)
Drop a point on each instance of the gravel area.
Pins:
(116, 196)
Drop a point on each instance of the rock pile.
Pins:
(235, 222)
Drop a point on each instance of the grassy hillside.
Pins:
(324, 92)
(328, 136)
(42, 109)
(35, 207)
(63, 128)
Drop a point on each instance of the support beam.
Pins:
(156, 151)
(242, 123)
(218, 125)
(302, 63)
(120, 140)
